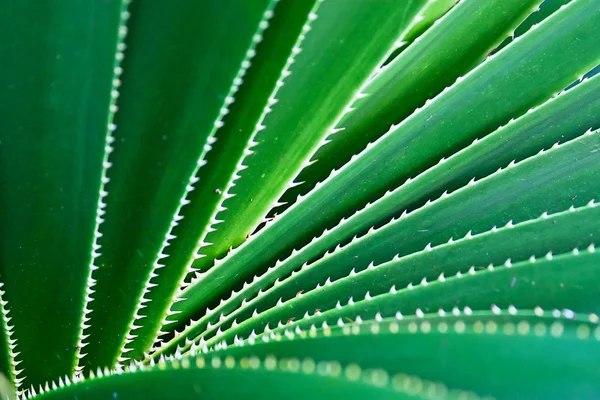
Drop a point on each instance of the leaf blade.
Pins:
(382, 166)
(477, 351)
(449, 49)
(259, 378)
(248, 102)
(333, 38)
(560, 119)
(161, 139)
(59, 71)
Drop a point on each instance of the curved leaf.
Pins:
(449, 49)
(503, 355)
(558, 233)
(291, 378)
(559, 119)
(519, 192)
(258, 82)
(564, 281)
(341, 45)
(498, 86)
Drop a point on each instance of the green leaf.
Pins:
(559, 119)
(259, 81)
(212, 378)
(558, 233)
(160, 141)
(522, 76)
(449, 49)
(547, 8)
(513, 195)
(325, 198)
(564, 281)
(56, 77)
(548, 182)
(430, 13)
(341, 45)
(8, 351)
(541, 353)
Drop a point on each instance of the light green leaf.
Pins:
(522, 76)
(564, 281)
(559, 119)
(341, 45)
(547, 8)
(558, 233)
(449, 49)
(502, 355)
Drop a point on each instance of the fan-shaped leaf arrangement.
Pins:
(223, 199)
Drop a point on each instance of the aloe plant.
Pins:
(219, 199)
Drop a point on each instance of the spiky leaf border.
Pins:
(300, 198)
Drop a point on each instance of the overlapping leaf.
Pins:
(328, 198)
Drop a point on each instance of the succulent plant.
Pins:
(380, 199)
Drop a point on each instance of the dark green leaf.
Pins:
(160, 141)
(56, 74)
